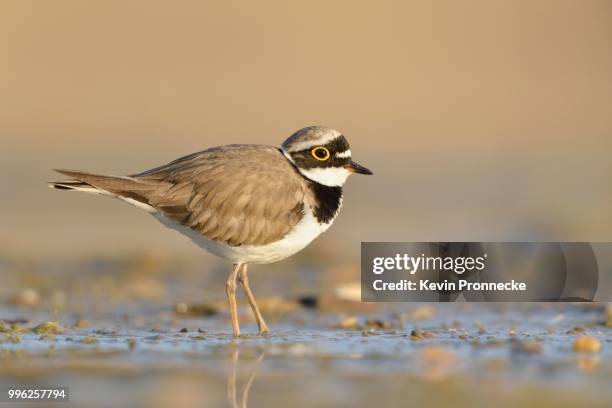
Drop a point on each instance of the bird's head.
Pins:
(322, 155)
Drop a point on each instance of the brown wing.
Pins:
(238, 194)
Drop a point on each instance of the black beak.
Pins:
(357, 168)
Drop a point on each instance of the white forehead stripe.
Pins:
(344, 155)
(323, 139)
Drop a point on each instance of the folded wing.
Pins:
(237, 194)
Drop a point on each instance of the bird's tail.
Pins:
(73, 185)
(117, 186)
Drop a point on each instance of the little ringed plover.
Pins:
(243, 203)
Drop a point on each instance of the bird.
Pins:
(245, 203)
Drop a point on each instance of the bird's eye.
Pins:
(320, 153)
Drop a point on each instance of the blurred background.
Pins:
(482, 121)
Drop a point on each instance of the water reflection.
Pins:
(232, 382)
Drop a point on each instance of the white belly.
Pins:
(303, 233)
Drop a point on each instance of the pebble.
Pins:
(51, 327)
(378, 324)
(349, 323)
(91, 339)
(587, 344)
(418, 334)
(27, 297)
(527, 347)
(576, 330)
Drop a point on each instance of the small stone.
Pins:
(91, 339)
(157, 337)
(527, 347)
(81, 324)
(418, 334)
(181, 308)
(587, 344)
(105, 332)
(350, 323)
(4, 328)
(51, 327)
(368, 332)
(27, 297)
(576, 330)
(378, 324)
(481, 327)
(309, 302)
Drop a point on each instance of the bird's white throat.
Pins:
(328, 176)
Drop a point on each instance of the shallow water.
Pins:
(473, 352)
(124, 340)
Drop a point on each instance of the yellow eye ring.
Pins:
(317, 150)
